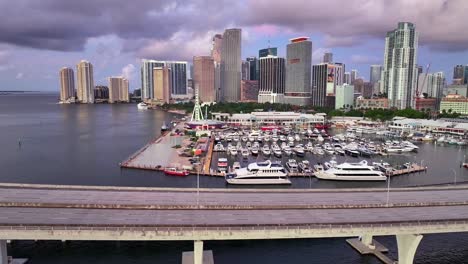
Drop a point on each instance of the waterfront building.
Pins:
(253, 65)
(249, 90)
(67, 84)
(101, 92)
(347, 77)
(344, 97)
(271, 79)
(85, 79)
(204, 77)
(178, 78)
(245, 70)
(403, 124)
(457, 89)
(454, 103)
(271, 118)
(460, 74)
(231, 65)
(425, 104)
(298, 71)
(400, 72)
(268, 52)
(118, 90)
(162, 84)
(371, 103)
(354, 76)
(327, 57)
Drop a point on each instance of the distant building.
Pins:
(431, 86)
(118, 90)
(372, 103)
(366, 89)
(319, 84)
(454, 104)
(253, 65)
(217, 45)
(162, 84)
(344, 96)
(231, 65)
(85, 79)
(400, 72)
(271, 80)
(298, 71)
(178, 78)
(249, 90)
(457, 89)
(101, 92)
(423, 104)
(245, 70)
(204, 77)
(375, 75)
(459, 73)
(347, 77)
(267, 52)
(327, 57)
(67, 84)
(354, 76)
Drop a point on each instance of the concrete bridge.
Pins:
(49, 212)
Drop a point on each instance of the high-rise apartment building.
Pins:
(253, 65)
(118, 90)
(67, 84)
(85, 80)
(204, 78)
(327, 57)
(267, 52)
(319, 84)
(178, 78)
(271, 79)
(400, 71)
(354, 75)
(231, 65)
(375, 73)
(347, 77)
(298, 71)
(162, 84)
(245, 70)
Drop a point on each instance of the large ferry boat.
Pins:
(259, 173)
(349, 172)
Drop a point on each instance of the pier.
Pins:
(411, 169)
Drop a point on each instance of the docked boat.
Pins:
(233, 151)
(222, 164)
(245, 153)
(219, 148)
(143, 106)
(266, 150)
(304, 167)
(277, 152)
(352, 152)
(350, 172)
(254, 150)
(292, 166)
(164, 127)
(175, 172)
(259, 173)
(299, 150)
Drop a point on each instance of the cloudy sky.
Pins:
(37, 38)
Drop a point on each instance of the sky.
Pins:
(37, 38)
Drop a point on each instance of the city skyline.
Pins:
(117, 47)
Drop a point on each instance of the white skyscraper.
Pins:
(85, 79)
(400, 71)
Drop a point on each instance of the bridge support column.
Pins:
(3, 252)
(198, 252)
(367, 241)
(407, 245)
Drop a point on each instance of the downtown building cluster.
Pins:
(86, 92)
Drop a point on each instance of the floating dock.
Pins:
(412, 169)
(377, 250)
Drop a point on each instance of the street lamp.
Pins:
(388, 189)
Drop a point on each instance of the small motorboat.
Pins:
(142, 106)
(175, 172)
(164, 127)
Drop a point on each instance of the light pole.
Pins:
(455, 177)
(198, 186)
(388, 189)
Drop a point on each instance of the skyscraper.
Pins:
(162, 84)
(204, 78)
(216, 47)
(85, 76)
(319, 84)
(178, 78)
(298, 71)
(400, 70)
(231, 65)
(271, 79)
(147, 67)
(354, 75)
(328, 57)
(347, 78)
(118, 89)
(459, 72)
(245, 70)
(375, 73)
(267, 52)
(253, 64)
(67, 84)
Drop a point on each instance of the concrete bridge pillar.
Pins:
(3, 252)
(367, 240)
(407, 245)
(198, 252)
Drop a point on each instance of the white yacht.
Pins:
(219, 148)
(254, 150)
(142, 106)
(292, 165)
(259, 173)
(266, 150)
(350, 172)
(245, 153)
(222, 165)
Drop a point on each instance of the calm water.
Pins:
(83, 144)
